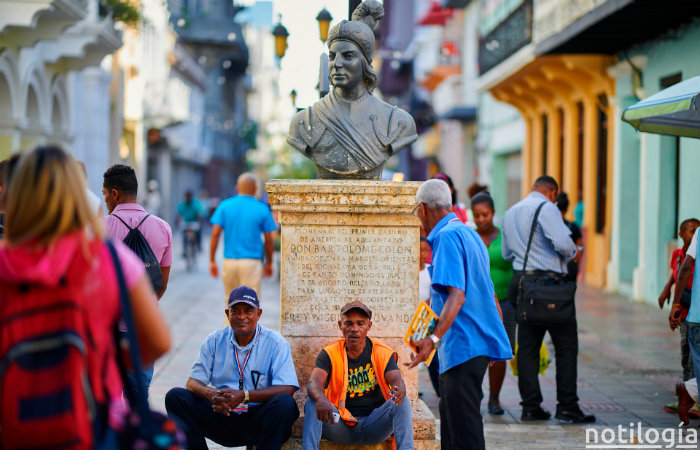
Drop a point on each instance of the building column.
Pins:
(553, 154)
(570, 183)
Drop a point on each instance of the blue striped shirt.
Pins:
(552, 245)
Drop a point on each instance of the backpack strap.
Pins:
(122, 221)
(125, 224)
(142, 221)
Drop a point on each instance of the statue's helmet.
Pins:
(359, 29)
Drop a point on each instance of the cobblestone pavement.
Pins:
(629, 362)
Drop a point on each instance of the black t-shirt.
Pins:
(364, 394)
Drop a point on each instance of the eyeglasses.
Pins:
(415, 210)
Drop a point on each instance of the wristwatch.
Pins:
(246, 396)
(436, 341)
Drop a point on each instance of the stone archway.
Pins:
(9, 105)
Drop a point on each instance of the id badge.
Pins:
(241, 408)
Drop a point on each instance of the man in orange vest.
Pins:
(356, 393)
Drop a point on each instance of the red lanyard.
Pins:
(245, 360)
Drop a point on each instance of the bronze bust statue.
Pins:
(349, 133)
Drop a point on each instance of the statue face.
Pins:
(345, 64)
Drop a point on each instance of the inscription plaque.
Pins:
(325, 267)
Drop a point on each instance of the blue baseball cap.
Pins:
(243, 294)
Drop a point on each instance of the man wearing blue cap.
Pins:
(240, 388)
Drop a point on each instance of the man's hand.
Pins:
(227, 400)
(674, 317)
(398, 393)
(213, 269)
(324, 410)
(664, 297)
(267, 270)
(578, 256)
(424, 346)
(218, 401)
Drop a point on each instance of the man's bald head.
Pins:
(247, 184)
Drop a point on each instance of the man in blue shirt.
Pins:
(470, 332)
(551, 249)
(240, 388)
(189, 211)
(243, 219)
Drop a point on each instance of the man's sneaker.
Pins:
(574, 415)
(535, 414)
(694, 412)
(671, 408)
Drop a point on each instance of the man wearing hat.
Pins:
(356, 393)
(350, 133)
(240, 388)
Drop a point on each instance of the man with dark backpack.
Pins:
(148, 236)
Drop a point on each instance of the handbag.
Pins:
(545, 298)
(143, 428)
(686, 296)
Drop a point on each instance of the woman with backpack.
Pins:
(60, 382)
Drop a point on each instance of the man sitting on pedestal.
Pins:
(240, 388)
(356, 393)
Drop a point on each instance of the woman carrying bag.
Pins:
(60, 382)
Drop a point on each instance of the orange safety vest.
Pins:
(338, 384)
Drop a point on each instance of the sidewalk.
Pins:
(629, 361)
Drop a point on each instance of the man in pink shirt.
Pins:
(120, 188)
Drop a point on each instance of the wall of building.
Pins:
(646, 175)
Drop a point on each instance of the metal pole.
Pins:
(352, 4)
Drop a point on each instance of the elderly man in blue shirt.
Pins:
(551, 249)
(240, 388)
(470, 331)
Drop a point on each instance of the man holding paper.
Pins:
(240, 388)
(470, 332)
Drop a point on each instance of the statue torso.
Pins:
(324, 135)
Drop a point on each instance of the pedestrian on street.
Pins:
(501, 272)
(358, 380)
(562, 203)
(552, 247)
(243, 219)
(60, 293)
(688, 268)
(685, 232)
(120, 188)
(239, 390)
(469, 320)
(189, 211)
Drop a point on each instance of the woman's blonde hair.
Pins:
(46, 199)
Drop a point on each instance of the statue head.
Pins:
(359, 32)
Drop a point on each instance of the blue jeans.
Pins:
(694, 344)
(146, 376)
(373, 429)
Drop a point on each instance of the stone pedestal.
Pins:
(343, 241)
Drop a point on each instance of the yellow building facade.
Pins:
(566, 103)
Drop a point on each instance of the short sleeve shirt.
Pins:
(269, 364)
(244, 219)
(692, 248)
(363, 394)
(460, 260)
(190, 212)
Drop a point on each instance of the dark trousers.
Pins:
(267, 426)
(434, 372)
(565, 340)
(461, 425)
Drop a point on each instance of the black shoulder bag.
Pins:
(544, 298)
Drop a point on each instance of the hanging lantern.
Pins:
(324, 20)
(280, 33)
